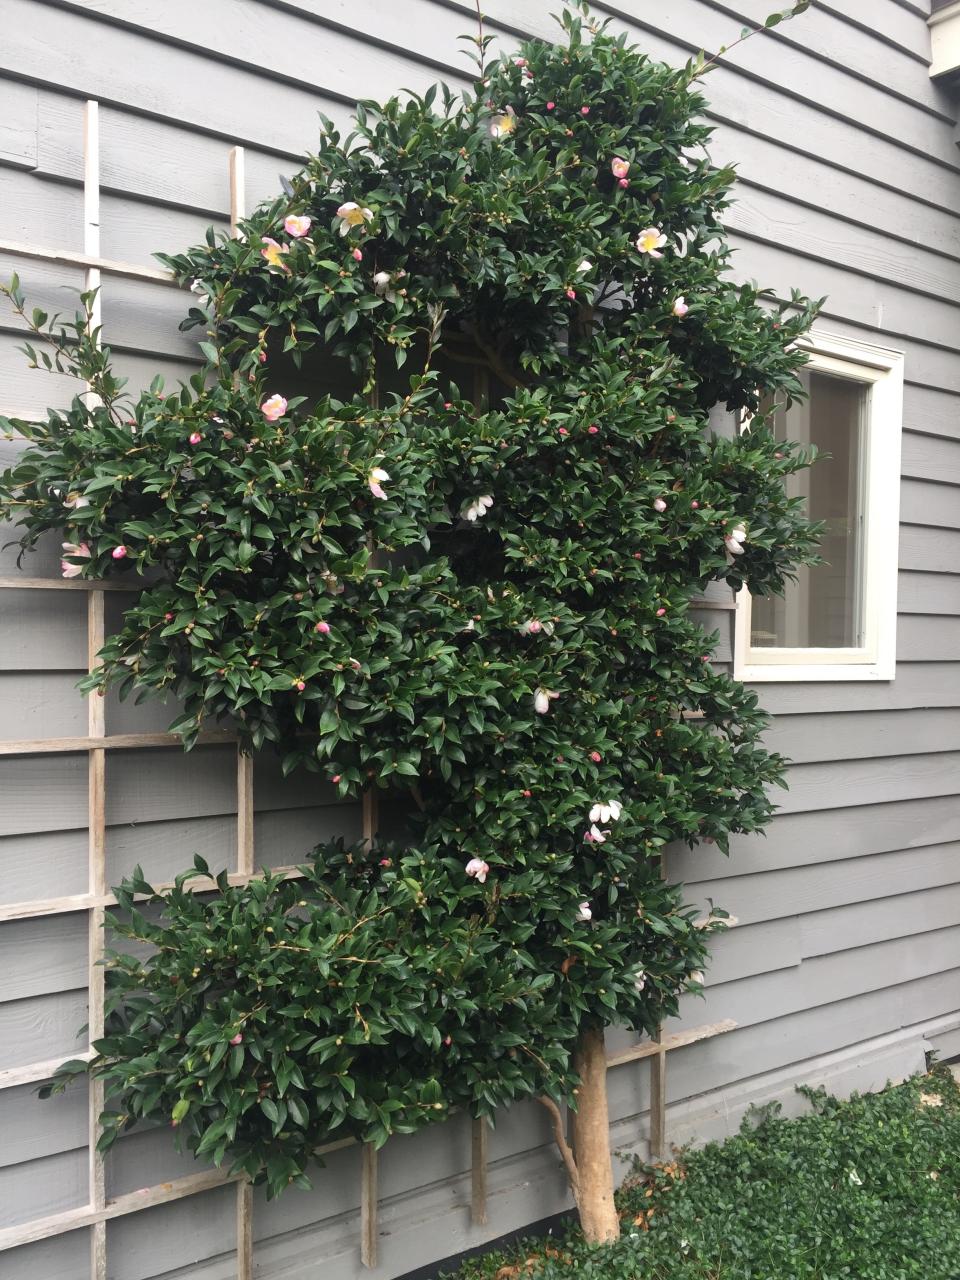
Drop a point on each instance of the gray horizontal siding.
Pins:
(850, 178)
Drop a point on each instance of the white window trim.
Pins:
(882, 369)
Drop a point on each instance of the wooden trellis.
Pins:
(101, 1208)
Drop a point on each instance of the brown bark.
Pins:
(591, 1140)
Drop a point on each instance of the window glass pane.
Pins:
(824, 607)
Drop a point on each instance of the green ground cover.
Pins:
(865, 1189)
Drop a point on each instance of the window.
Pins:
(838, 620)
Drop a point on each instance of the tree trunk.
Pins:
(591, 1140)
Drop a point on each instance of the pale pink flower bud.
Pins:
(358, 255)
(551, 105)
(596, 757)
(584, 111)
(583, 911)
(119, 553)
(680, 307)
(624, 182)
(660, 612)
(571, 294)
(619, 167)
(195, 437)
(300, 685)
(477, 869)
(323, 628)
(237, 1039)
(659, 504)
(592, 429)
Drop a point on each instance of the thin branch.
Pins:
(556, 1120)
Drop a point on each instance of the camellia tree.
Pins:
(476, 603)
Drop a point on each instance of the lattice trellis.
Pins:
(100, 1209)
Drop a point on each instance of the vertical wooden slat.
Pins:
(96, 876)
(480, 1132)
(237, 182)
(96, 726)
(369, 1227)
(244, 814)
(245, 867)
(658, 1080)
(658, 1103)
(244, 1231)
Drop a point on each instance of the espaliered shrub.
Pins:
(480, 607)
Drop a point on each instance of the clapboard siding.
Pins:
(848, 910)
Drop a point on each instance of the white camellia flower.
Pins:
(596, 836)
(734, 541)
(606, 811)
(584, 912)
(478, 507)
(855, 1178)
(352, 215)
(502, 125)
(651, 240)
(477, 869)
(375, 481)
(639, 978)
(542, 699)
(585, 265)
(76, 501)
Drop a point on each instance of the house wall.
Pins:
(845, 966)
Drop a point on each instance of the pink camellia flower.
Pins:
(592, 429)
(323, 628)
(562, 431)
(375, 481)
(571, 294)
(596, 757)
(532, 627)
(583, 911)
(273, 253)
(195, 437)
(385, 862)
(519, 62)
(694, 506)
(659, 504)
(551, 105)
(619, 167)
(660, 612)
(624, 182)
(81, 551)
(680, 307)
(477, 869)
(119, 553)
(584, 111)
(358, 255)
(274, 408)
(296, 225)
(299, 685)
(651, 240)
(237, 1039)
(526, 793)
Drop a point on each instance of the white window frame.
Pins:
(881, 369)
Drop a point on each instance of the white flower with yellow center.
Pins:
(606, 811)
(352, 215)
(651, 240)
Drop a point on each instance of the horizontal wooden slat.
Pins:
(13, 1077)
(57, 257)
(851, 783)
(676, 1040)
(114, 742)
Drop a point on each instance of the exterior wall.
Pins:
(846, 964)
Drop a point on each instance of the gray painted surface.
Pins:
(846, 964)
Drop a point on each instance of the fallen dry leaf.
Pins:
(931, 1100)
